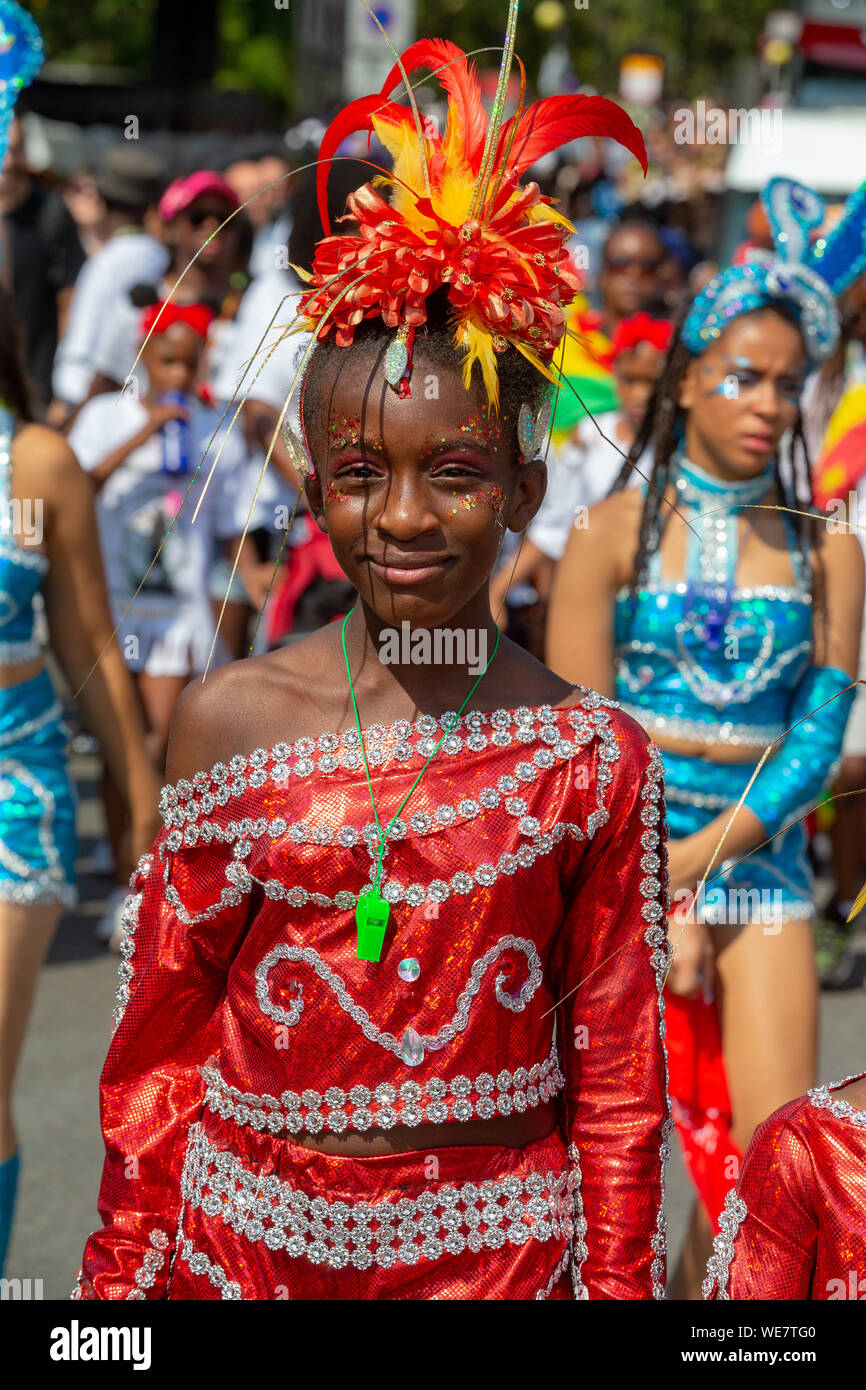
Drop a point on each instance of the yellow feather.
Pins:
(858, 905)
(401, 142)
(543, 212)
(536, 362)
(301, 273)
(479, 348)
(453, 197)
(454, 137)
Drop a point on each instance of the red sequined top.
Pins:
(794, 1227)
(523, 961)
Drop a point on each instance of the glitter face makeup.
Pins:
(344, 431)
(334, 492)
(744, 378)
(483, 428)
(493, 497)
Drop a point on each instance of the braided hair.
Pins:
(662, 428)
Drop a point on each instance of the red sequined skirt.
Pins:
(264, 1218)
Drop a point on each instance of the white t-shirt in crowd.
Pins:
(580, 473)
(247, 361)
(136, 505)
(101, 296)
(238, 369)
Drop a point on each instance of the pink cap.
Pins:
(180, 194)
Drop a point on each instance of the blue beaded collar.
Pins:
(700, 489)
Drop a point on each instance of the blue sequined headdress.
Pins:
(840, 257)
(21, 57)
(789, 276)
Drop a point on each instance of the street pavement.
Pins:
(57, 1096)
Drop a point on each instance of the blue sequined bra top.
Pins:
(702, 659)
(21, 571)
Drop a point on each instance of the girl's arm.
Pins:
(185, 920)
(81, 630)
(580, 618)
(791, 781)
(609, 965)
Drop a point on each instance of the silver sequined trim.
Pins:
(129, 922)
(728, 733)
(579, 1250)
(558, 1272)
(719, 1263)
(441, 1220)
(656, 905)
(589, 721)
(47, 882)
(200, 1264)
(821, 1096)
(191, 800)
(145, 1275)
(384, 1105)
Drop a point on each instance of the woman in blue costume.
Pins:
(49, 545)
(719, 624)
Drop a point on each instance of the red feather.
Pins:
(553, 122)
(356, 116)
(459, 81)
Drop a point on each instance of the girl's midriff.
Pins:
(510, 1131)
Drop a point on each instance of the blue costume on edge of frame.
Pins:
(37, 804)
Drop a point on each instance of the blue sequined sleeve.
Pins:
(791, 781)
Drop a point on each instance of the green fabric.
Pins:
(598, 394)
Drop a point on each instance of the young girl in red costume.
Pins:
(390, 1025)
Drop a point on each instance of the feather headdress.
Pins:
(457, 217)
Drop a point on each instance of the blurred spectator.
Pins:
(582, 470)
(128, 182)
(631, 263)
(204, 265)
(629, 281)
(88, 209)
(142, 468)
(45, 255)
(262, 176)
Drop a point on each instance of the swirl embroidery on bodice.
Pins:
(515, 1002)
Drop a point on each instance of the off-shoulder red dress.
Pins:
(523, 962)
(794, 1227)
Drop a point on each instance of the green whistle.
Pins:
(371, 919)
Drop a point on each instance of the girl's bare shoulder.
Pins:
(43, 457)
(254, 703)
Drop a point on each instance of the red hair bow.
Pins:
(198, 317)
(640, 328)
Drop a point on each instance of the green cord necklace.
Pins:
(371, 913)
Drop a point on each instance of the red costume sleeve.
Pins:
(614, 957)
(768, 1234)
(172, 983)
